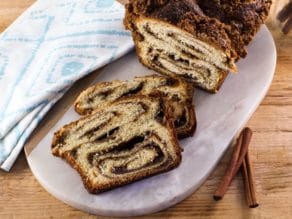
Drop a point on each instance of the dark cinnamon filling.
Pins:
(124, 167)
(102, 95)
(189, 55)
(170, 58)
(133, 90)
(148, 30)
(144, 106)
(158, 63)
(124, 146)
(160, 115)
(184, 64)
(128, 145)
(175, 98)
(189, 77)
(73, 153)
(171, 82)
(187, 45)
(124, 151)
(181, 121)
(181, 60)
(106, 135)
(92, 131)
(61, 140)
(201, 70)
(158, 158)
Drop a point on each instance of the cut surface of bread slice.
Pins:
(175, 91)
(131, 139)
(195, 39)
(171, 51)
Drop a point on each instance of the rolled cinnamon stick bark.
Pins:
(248, 179)
(235, 163)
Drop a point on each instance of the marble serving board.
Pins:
(220, 117)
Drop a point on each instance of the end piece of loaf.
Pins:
(177, 92)
(196, 39)
(129, 140)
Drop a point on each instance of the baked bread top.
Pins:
(228, 25)
(197, 40)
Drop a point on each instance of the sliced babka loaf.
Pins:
(130, 139)
(176, 92)
(197, 39)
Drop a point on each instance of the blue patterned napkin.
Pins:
(48, 48)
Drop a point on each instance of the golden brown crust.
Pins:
(222, 78)
(104, 186)
(99, 188)
(84, 111)
(226, 24)
(186, 89)
(96, 189)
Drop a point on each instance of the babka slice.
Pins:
(196, 39)
(130, 139)
(176, 92)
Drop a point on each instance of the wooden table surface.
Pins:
(21, 196)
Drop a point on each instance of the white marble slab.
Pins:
(219, 117)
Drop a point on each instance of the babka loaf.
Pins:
(130, 139)
(177, 92)
(197, 39)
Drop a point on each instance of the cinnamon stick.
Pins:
(285, 15)
(288, 26)
(247, 175)
(235, 163)
(229, 171)
(285, 12)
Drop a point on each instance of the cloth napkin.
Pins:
(50, 46)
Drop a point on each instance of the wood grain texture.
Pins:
(21, 196)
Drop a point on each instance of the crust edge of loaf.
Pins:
(185, 26)
(237, 46)
(137, 38)
(189, 90)
(97, 189)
